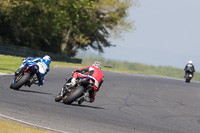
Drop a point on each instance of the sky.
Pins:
(167, 34)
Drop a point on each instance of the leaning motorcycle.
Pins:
(188, 75)
(25, 76)
(76, 93)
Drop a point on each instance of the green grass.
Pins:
(9, 64)
(143, 68)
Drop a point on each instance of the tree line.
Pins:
(63, 26)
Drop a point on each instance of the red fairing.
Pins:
(97, 74)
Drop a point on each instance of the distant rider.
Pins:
(189, 66)
(94, 72)
(43, 64)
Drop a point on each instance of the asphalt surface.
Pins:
(126, 103)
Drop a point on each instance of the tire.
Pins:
(187, 78)
(58, 98)
(21, 82)
(71, 97)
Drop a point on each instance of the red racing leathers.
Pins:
(94, 73)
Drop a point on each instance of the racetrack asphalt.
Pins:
(126, 103)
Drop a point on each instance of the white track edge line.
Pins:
(6, 74)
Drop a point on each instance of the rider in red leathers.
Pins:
(94, 72)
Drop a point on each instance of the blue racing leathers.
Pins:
(43, 67)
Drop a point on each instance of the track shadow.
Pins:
(30, 91)
(86, 106)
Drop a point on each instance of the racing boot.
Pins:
(81, 100)
(34, 80)
(85, 98)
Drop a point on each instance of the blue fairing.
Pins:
(33, 68)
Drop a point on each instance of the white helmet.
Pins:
(97, 64)
(48, 58)
(190, 62)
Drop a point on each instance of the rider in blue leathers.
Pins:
(43, 64)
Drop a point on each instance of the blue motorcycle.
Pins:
(26, 75)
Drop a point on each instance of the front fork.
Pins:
(65, 89)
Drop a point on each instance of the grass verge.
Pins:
(9, 64)
(10, 127)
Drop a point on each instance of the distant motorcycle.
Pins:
(188, 75)
(75, 94)
(25, 76)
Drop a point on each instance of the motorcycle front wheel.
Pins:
(58, 98)
(18, 84)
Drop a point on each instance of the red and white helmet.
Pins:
(97, 64)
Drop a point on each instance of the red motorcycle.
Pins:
(76, 93)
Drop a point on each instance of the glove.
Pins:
(73, 81)
(24, 60)
(78, 71)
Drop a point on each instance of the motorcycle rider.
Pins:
(189, 66)
(94, 72)
(43, 64)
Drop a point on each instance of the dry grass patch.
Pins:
(10, 127)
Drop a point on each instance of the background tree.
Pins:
(33, 24)
(62, 26)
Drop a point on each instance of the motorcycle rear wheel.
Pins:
(72, 96)
(187, 78)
